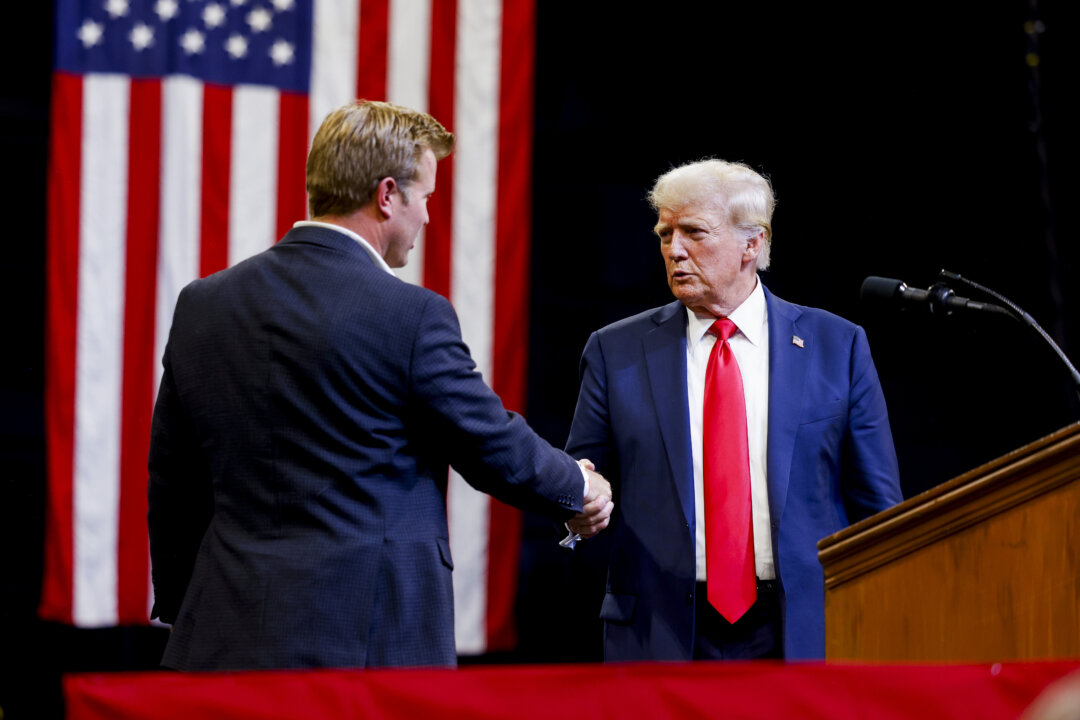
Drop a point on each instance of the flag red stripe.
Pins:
(137, 400)
(438, 243)
(371, 50)
(513, 210)
(217, 142)
(62, 274)
(510, 339)
(292, 159)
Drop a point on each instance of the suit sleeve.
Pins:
(590, 433)
(493, 449)
(871, 474)
(180, 499)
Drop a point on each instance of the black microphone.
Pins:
(939, 297)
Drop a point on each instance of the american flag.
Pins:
(179, 135)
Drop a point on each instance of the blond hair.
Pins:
(361, 143)
(734, 188)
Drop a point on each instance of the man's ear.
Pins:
(384, 196)
(754, 245)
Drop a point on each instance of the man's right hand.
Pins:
(596, 511)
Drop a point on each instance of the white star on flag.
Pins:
(213, 15)
(116, 8)
(281, 52)
(260, 20)
(90, 33)
(141, 36)
(236, 46)
(193, 42)
(166, 9)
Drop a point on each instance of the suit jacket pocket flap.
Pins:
(823, 411)
(618, 608)
(444, 552)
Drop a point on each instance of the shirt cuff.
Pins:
(585, 477)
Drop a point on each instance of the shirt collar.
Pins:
(375, 256)
(749, 317)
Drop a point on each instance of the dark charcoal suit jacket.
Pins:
(830, 461)
(309, 406)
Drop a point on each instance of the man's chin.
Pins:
(686, 295)
(399, 262)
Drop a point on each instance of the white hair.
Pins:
(734, 188)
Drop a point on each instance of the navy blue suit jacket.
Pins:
(309, 406)
(830, 462)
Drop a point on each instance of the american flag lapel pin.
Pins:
(796, 340)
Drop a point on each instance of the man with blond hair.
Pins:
(310, 404)
(737, 430)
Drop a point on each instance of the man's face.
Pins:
(710, 267)
(410, 216)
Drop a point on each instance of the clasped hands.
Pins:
(596, 512)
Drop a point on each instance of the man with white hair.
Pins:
(737, 430)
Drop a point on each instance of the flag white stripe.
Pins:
(408, 67)
(476, 118)
(476, 109)
(253, 171)
(469, 522)
(409, 53)
(333, 58)
(181, 185)
(178, 231)
(99, 343)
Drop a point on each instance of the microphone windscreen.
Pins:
(879, 288)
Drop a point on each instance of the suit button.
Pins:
(689, 598)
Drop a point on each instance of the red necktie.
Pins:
(729, 531)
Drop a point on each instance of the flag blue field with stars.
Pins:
(225, 42)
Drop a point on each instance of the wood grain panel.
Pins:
(983, 567)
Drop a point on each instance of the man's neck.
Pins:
(363, 223)
(723, 307)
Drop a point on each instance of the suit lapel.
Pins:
(665, 360)
(788, 365)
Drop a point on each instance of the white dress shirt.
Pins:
(750, 344)
(379, 261)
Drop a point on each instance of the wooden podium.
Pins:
(984, 567)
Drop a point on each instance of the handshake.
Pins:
(595, 513)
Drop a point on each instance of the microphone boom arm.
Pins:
(1015, 311)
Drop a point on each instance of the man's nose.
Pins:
(677, 249)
